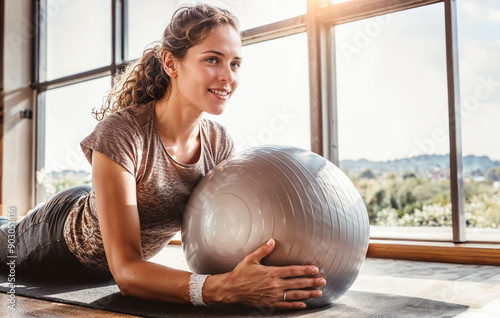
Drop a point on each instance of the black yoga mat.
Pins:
(104, 294)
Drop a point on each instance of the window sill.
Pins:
(465, 253)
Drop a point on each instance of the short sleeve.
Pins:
(116, 137)
(228, 148)
(220, 142)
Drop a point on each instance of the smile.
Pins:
(221, 93)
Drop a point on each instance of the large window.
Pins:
(375, 86)
(392, 113)
(68, 48)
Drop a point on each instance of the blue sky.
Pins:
(390, 71)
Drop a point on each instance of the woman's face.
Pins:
(208, 75)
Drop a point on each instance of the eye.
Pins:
(211, 60)
(236, 65)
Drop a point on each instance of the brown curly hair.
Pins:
(145, 81)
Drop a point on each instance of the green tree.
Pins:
(409, 174)
(414, 201)
(392, 176)
(63, 184)
(367, 174)
(493, 173)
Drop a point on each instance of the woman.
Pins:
(147, 154)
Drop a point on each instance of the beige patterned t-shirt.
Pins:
(131, 138)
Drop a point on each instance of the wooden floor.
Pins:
(28, 307)
(473, 286)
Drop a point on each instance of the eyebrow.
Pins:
(220, 54)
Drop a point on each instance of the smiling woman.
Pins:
(149, 150)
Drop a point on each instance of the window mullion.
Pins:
(114, 36)
(315, 83)
(456, 166)
(40, 75)
(123, 30)
(331, 120)
(118, 29)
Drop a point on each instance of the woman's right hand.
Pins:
(257, 285)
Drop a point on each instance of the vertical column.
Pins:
(315, 84)
(331, 104)
(322, 85)
(123, 31)
(115, 16)
(2, 17)
(17, 174)
(118, 36)
(456, 167)
(39, 72)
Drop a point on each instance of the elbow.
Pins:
(124, 287)
(124, 279)
(125, 270)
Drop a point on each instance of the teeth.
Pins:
(222, 93)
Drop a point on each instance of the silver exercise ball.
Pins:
(303, 201)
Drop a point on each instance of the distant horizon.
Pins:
(342, 160)
(403, 158)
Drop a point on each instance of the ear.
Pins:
(169, 64)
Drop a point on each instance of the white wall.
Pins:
(18, 132)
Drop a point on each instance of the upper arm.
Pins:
(115, 190)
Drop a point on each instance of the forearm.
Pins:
(148, 280)
(143, 279)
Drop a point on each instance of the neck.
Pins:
(178, 125)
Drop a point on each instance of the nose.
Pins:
(227, 74)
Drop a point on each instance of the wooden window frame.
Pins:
(324, 124)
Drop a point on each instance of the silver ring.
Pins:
(284, 295)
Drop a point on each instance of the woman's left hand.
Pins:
(257, 285)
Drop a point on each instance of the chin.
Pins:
(216, 111)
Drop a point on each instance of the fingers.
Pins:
(299, 288)
(298, 270)
(303, 283)
(263, 250)
(290, 305)
(294, 295)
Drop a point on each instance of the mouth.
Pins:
(219, 92)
